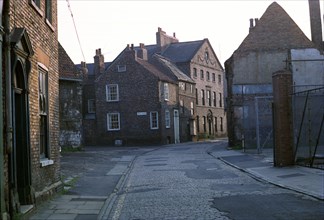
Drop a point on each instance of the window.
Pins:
(221, 124)
(91, 106)
(209, 97)
(220, 100)
(166, 91)
(113, 122)
(43, 112)
(214, 77)
(182, 85)
(192, 108)
(201, 74)
(219, 78)
(167, 118)
(121, 68)
(215, 124)
(203, 97)
(204, 123)
(112, 93)
(154, 120)
(36, 4)
(196, 96)
(214, 99)
(48, 11)
(181, 107)
(208, 76)
(194, 72)
(198, 124)
(206, 56)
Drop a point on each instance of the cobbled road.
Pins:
(185, 182)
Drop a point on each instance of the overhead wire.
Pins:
(75, 28)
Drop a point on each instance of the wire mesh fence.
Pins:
(308, 116)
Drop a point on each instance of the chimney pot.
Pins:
(251, 23)
(174, 34)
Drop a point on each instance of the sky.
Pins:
(111, 25)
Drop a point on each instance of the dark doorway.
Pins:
(20, 136)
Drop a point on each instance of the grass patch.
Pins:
(67, 149)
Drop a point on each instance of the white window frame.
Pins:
(167, 119)
(109, 121)
(166, 91)
(154, 120)
(121, 68)
(108, 93)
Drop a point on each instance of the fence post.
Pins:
(282, 127)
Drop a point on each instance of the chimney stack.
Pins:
(251, 24)
(316, 24)
(99, 63)
(163, 40)
(142, 52)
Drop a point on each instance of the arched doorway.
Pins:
(20, 135)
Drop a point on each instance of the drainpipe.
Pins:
(7, 69)
(2, 196)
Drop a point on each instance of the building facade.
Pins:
(70, 96)
(190, 73)
(268, 48)
(30, 150)
(198, 61)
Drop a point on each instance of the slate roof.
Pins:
(155, 71)
(174, 69)
(91, 66)
(275, 30)
(182, 51)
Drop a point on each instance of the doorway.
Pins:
(21, 155)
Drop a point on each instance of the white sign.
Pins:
(141, 113)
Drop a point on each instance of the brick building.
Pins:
(198, 61)
(70, 95)
(191, 73)
(29, 158)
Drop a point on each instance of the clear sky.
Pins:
(111, 25)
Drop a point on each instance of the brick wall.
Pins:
(43, 36)
(283, 127)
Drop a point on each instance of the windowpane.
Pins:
(154, 120)
(112, 93)
(166, 91)
(48, 8)
(167, 118)
(43, 113)
(91, 106)
(113, 121)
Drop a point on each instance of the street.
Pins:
(183, 181)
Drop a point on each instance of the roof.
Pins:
(154, 70)
(67, 69)
(275, 30)
(91, 66)
(182, 51)
(174, 69)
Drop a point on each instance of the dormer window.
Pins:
(121, 68)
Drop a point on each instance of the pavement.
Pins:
(305, 180)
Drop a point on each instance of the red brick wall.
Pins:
(283, 129)
(44, 42)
